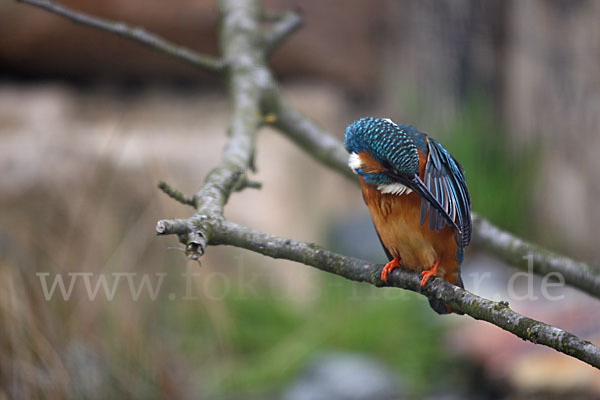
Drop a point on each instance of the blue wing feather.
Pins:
(445, 179)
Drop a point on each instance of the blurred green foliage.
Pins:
(273, 338)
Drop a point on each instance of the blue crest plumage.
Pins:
(386, 142)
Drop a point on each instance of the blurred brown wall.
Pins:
(339, 44)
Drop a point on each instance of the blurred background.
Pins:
(90, 123)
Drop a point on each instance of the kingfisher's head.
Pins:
(380, 151)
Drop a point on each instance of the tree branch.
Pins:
(306, 134)
(248, 78)
(516, 251)
(137, 34)
(497, 313)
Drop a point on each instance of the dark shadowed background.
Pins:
(89, 123)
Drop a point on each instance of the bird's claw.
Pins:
(428, 273)
(395, 263)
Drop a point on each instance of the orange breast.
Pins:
(397, 220)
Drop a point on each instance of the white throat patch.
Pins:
(397, 189)
(394, 188)
(354, 162)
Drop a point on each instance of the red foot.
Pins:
(429, 273)
(395, 263)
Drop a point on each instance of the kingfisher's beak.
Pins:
(417, 185)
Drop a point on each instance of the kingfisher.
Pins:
(417, 195)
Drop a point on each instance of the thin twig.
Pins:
(176, 194)
(246, 183)
(272, 16)
(137, 34)
(282, 29)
